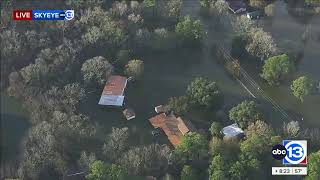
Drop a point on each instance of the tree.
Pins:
(116, 172)
(258, 3)
(189, 31)
(96, 70)
(119, 9)
(218, 168)
(41, 156)
(254, 146)
(216, 146)
(204, 92)
(123, 57)
(259, 128)
(100, 28)
(174, 7)
(260, 44)
(215, 129)
(245, 113)
(178, 104)
(188, 173)
(269, 10)
(219, 10)
(242, 25)
(101, 171)
(98, 171)
(65, 99)
(149, 3)
(116, 143)
(291, 129)
(313, 166)
(193, 146)
(86, 160)
(302, 86)
(134, 68)
(277, 69)
(35, 74)
(149, 159)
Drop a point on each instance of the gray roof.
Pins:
(111, 100)
(232, 130)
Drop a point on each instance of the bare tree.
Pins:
(291, 129)
(242, 24)
(260, 128)
(261, 44)
(116, 142)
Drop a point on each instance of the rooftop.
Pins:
(232, 130)
(172, 126)
(113, 91)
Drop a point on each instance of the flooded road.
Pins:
(287, 28)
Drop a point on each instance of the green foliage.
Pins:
(258, 3)
(216, 146)
(302, 86)
(276, 69)
(313, 166)
(149, 3)
(218, 168)
(205, 3)
(179, 104)
(134, 68)
(100, 28)
(189, 31)
(100, 171)
(86, 159)
(215, 129)
(192, 147)
(254, 146)
(96, 70)
(245, 113)
(174, 7)
(203, 92)
(270, 9)
(188, 173)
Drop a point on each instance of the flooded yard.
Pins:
(168, 74)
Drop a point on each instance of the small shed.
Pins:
(129, 114)
(232, 130)
(161, 109)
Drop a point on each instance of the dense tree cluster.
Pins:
(302, 86)
(245, 113)
(277, 69)
(189, 31)
(204, 92)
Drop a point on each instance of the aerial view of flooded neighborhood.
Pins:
(160, 90)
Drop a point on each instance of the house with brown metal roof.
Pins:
(174, 127)
(113, 91)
